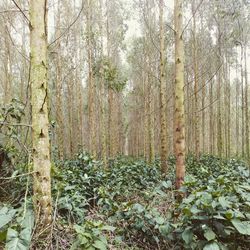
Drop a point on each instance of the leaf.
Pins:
(108, 228)
(167, 184)
(14, 242)
(195, 210)
(223, 202)
(159, 220)
(243, 227)
(139, 207)
(25, 235)
(209, 234)
(6, 216)
(212, 246)
(219, 217)
(99, 245)
(3, 235)
(83, 240)
(187, 236)
(29, 220)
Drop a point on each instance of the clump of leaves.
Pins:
(215, 214)
(16, 226)
(92, 235)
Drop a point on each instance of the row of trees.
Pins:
(83, 95)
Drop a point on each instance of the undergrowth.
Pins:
(130, 205)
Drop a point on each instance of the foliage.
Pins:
(11, 113)
(91, 235)
(111, 74)
(16, 225)
(138, 201)
(215, 212)
(131, 205)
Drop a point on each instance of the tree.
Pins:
(163, 101)
(40, 122)
(179, 120)
(91, 84)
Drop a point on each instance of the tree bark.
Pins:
(179, 120)
(40, 122)
(163, 101)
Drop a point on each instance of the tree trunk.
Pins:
(40, 122)
(195, 66)
(246, 107)
(179, 120)
(163, 101)
(91, 88)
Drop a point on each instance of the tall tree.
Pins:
(179, 120)
(163, 101)
(91, 84)
(40, 122)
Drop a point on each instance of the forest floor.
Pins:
(130, 205)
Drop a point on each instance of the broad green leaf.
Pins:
(195, 210)
(209, 234)
(242, 227)
(212, 246)
(167, 184)
(223, 202)
(25, 235)
(139, 207)
(159, 220)
(6, 216)
(83, 240)
(14, 242)
(29, 220)
(187, 235)
(100, 245)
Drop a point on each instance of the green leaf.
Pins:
(229, 214)
(223, 202)
(139, 207)
(243, 227)
(25, 235)
(167, 184)
(108, 228)
(100, 245)
(159, 220)
(3, 235)
(209, 234)
(212, 246)
(187, 236)
(14, 242)
(6, 216)
(29, 220)
(83, 240)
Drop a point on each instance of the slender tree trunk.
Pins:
(242, 104)
(163, 101)
(145, 94)
(203, 115)
(195, 65)
(40, 122)
(219, 120)
(91, 91)
(179, 120)
(237, 111)
(211, 117)
(229, 113)
(246, 107)
(102, 102)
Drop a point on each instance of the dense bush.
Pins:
(130, 205)
(134, 198)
